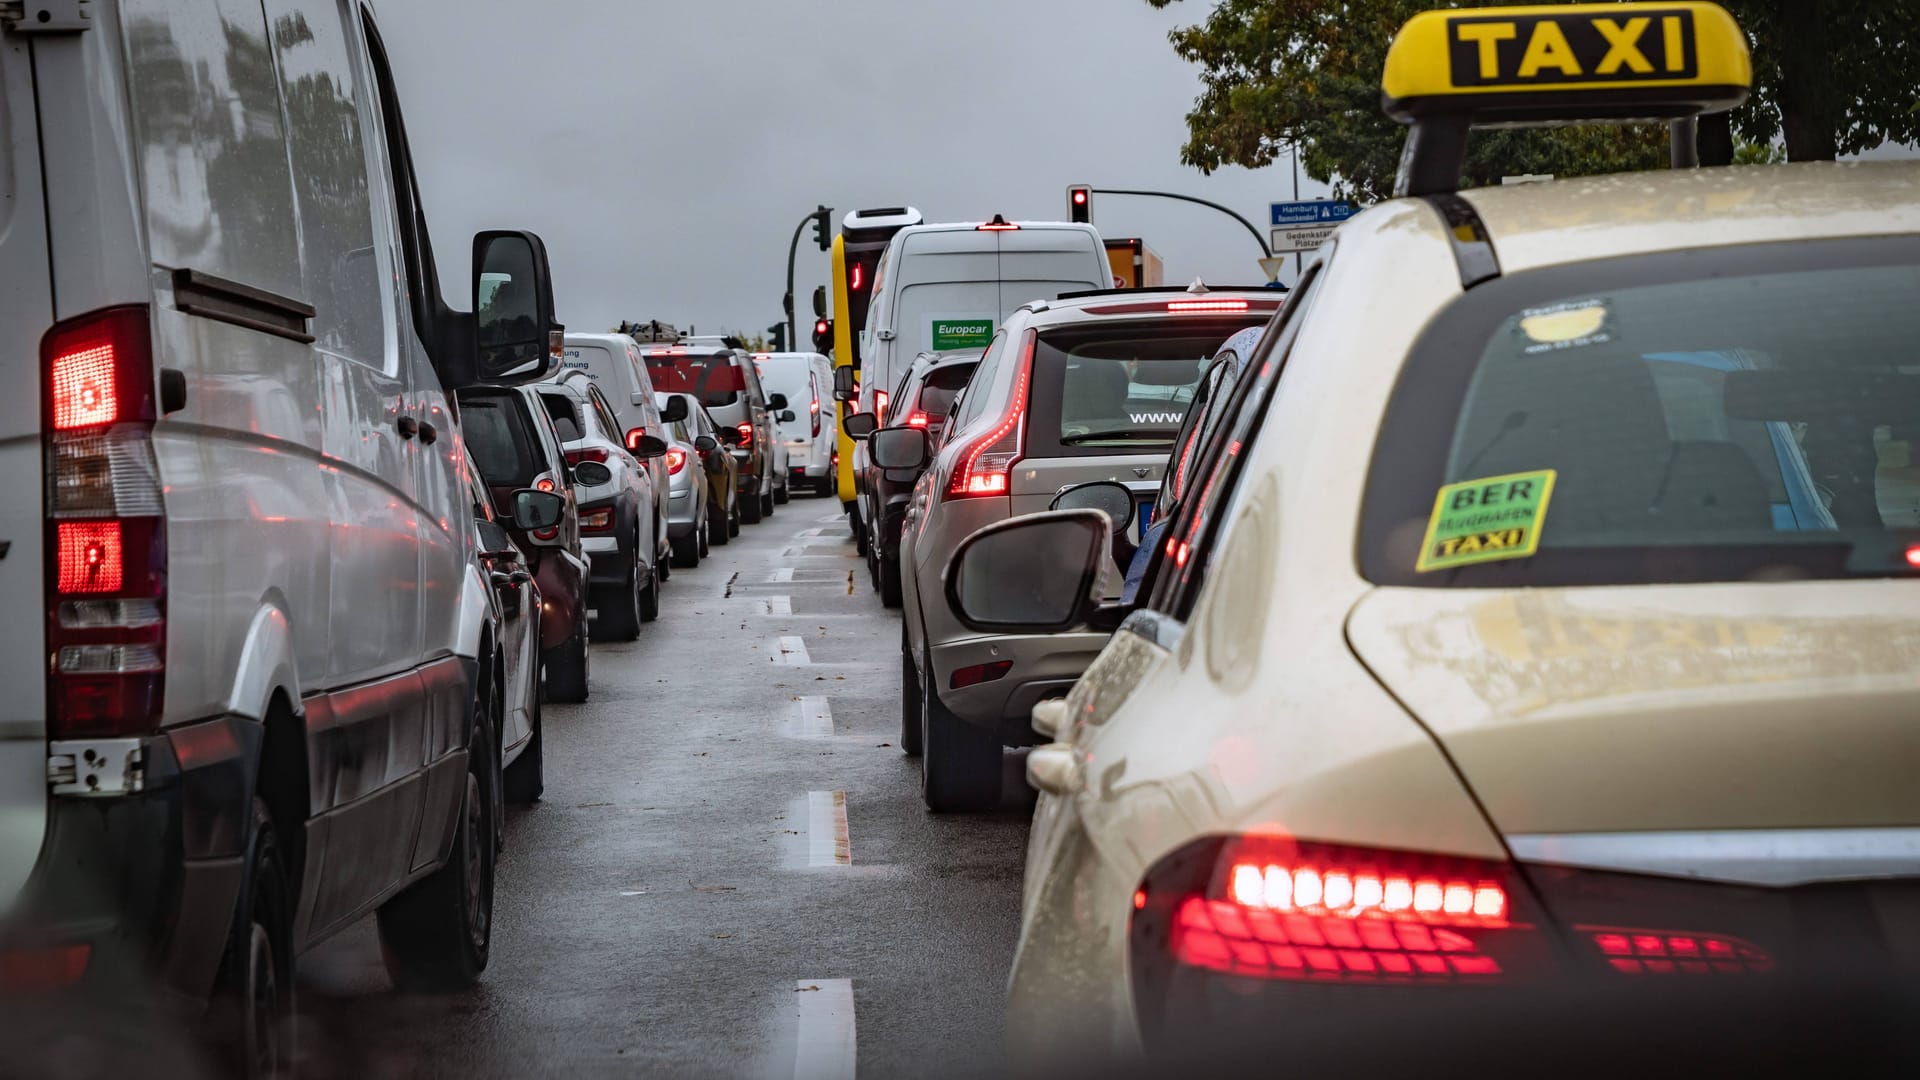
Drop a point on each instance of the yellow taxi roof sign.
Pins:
(1566, 64)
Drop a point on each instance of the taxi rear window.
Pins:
(1119, 387)
(1722, 415)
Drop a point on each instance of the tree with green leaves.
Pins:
(1280, 74)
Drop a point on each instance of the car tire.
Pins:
(781, 495)
(686, 549)
(663, 561)
(719, 537)
(889, 581)
(910, 702)
(959, 763)
(733, 520)
(567, 671)
(524, 781)
(437, 935)
(750, 511)
(619, 610)
(859, 533)
(254, 1015)
(650, 602)
(706, 539)
(766, 504)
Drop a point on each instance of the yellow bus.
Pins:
(856, 257)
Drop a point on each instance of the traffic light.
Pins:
(823, 228)
(1080, 204)
(778, 331)
(823, 336)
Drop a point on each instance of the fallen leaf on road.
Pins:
(805, 989)
(713, 888)
(883, 745)
(591, 805)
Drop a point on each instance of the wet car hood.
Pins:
(1664, 707)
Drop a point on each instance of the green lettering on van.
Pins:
(951, 334)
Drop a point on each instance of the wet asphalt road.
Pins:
(682, 901)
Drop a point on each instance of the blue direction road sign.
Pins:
(1310, 212)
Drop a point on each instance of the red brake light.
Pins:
(746, 432)
(1664, 952)
(591, 453)
(1913, 556)
(814, 412)
(83, 388)
(986, 463)
(857, 277)
(998, 224)
(1202, 307)
(92, 557)
(880, 399)
(545, 483)
(676, 460)
(917, 419)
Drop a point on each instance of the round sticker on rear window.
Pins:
(1565, 326)
(1486, 520)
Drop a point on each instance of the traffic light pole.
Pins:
(1265, 251)
(820, 218)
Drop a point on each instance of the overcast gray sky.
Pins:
(665, 149)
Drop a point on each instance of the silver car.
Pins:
(690, 524)
(1090, 387)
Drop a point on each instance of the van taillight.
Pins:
(815, 410)
(986, 462)
(106, 540)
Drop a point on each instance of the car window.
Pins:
(716, 379)
(603, 415)
(1700, 416)
(566, 418)
(1116, 386)
(1187, 547)
(503, 448)
(970, 404)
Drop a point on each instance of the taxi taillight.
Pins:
(106, 540)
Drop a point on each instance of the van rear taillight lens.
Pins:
(1272, 908)
(106, 550)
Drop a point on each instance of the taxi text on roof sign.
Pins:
(1448, 71)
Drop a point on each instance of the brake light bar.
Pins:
(668, 352)
(917, 419)
(1196, 307)
(998, 224)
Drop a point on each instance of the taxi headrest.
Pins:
(1447, 71)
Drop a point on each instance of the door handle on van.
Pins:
(407, 426)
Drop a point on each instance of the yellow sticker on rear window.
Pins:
(1565, 326)
(1486, 520)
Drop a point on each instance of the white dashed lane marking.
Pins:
(791, 651)
(781, 576)
(779, 605)
(815, 719)
(826, 1048)
(827, 841)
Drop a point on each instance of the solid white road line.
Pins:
(781, 576)
(791, 651)
(815, 720)
(827, 841)
(779, 605)
(826, 1048)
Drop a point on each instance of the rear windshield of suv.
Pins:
(503, 448)
(715, 379)
(1739, 414)
(1119, 387)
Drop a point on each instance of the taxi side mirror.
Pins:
(1038, 574)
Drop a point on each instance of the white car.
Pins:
(256, 697)
(614, 364)
(806, 380)
(1579, 655)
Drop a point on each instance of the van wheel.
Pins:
(750, 511)
(525, 780)
(909, 700)
(254, 1015)
(619, 609)
(959, 763)
(650, 602)
(567, 670)
(889, 582)
(438, 934)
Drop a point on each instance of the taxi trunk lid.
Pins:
(26, 313)
(1659, 708)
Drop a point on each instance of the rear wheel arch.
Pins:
(283, 783)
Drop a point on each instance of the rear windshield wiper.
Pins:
(1128, 435)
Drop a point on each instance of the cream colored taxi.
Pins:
(1551, 609)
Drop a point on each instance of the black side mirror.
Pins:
(846, 383)
(592, 474)
(648, 446)
(513, 308)
(538, 509)
(898, 447)
(787, 416)
(1110, 498)
(706, 444)
(1038, 574)
(731, 436)
(777, 402)
(674, 411)
(860, 425)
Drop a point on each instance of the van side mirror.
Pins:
(674, 411)
(860, 425)
(898, 447)
(513, 307)
(845, 383)
(1038, 574)
(538, 509)
(777, 402)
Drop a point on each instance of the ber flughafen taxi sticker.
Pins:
(1486, 520)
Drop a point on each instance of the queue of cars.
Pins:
(1548, 629)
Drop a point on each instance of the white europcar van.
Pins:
(251, 693)
(806, 379)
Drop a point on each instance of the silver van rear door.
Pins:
(26, 312)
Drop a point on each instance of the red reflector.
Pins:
(1190, 307)
(676, 460)
(40, 970)
(92, 557)
(979, 673)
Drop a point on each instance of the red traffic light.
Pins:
(821, 326)
(1080, 203)
(1080, 198)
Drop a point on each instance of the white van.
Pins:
(807, 381)
(947, 288)
(258, 699)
